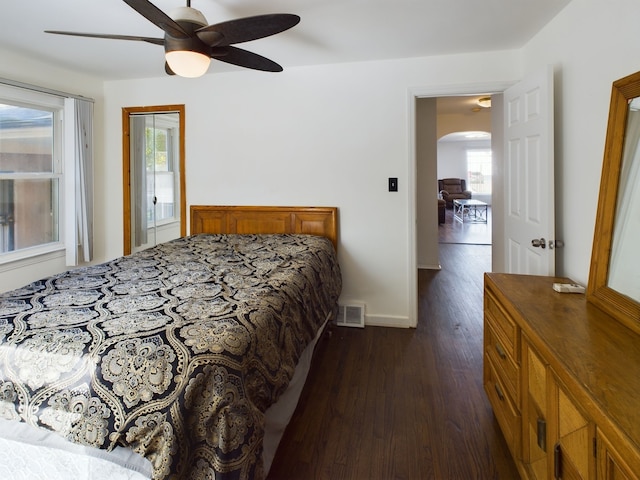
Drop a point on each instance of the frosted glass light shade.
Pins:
(188, 64)
(484, 102)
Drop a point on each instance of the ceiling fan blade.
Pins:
(168, 70)
(247, 29)
(244, 58)
(155, 41)
(152, 13)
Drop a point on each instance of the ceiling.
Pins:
(460, 105)
(331, 31)
(466, 106)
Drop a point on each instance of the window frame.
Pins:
(23, 97)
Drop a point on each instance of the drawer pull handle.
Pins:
(542, 434)
(557, 461)
(499, 392)
(501, 351)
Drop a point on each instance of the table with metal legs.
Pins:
(470, 211)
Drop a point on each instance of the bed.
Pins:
(183, 361)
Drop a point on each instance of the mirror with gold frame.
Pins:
(614, 277)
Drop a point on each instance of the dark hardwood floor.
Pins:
(386, 403)
(453, 231)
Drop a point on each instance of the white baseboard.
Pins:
(386, 321)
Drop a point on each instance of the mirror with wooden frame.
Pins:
(153, 175)
(614, 278)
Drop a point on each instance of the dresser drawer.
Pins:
(505, 328)
(506, 413)
(506, 368)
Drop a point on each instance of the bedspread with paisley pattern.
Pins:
(175, 352)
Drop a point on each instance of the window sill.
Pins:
(31, 256)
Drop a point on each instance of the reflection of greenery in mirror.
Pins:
(614, 282)
(153, 175)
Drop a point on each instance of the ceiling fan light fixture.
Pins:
(189, 42)
(484, 102)
(188, 14)
(188, 64)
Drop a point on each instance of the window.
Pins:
(30, 170)
(479, 170)
(46, 138)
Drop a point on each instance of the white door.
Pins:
(528, 176)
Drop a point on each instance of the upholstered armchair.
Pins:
(453, 189)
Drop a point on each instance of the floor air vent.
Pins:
(351, 315)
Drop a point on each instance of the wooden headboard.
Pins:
(321, 221)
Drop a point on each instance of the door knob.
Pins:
(539, 242)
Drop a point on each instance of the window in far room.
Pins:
(479, 170)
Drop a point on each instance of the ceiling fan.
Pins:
(190, 43)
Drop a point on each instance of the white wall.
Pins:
(325, 135)
(428, 252)
(498, 210)
(590, 43)
(452, 159)
(464, 122)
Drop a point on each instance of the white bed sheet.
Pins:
(32, 454)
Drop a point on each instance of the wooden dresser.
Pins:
(563, 378)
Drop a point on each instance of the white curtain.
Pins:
(79, 166)
(138, 179)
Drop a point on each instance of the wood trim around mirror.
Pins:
(126, 167)
(623, 308)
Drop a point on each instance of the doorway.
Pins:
(464, 166)
(430, 190)
(522, 175)
(153, 175)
